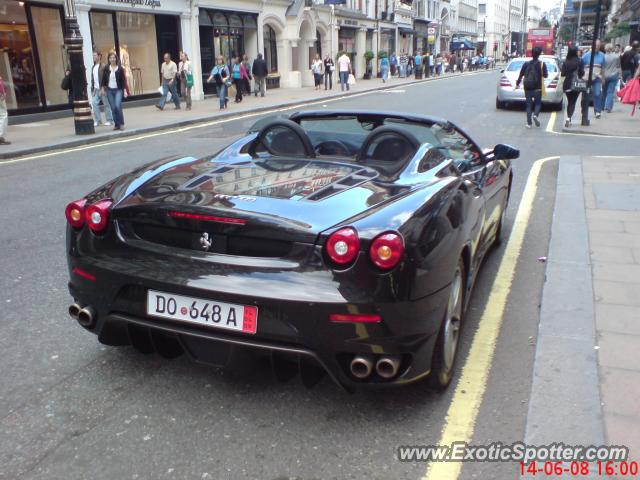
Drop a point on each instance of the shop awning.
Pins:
(406, 31)
(462, 45)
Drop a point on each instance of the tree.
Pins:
(544, 23)
(565, 33)
(620, 30)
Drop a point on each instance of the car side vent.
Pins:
(356, 178)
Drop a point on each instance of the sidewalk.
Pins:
(617, 123)
(587, 375)
(35, 137)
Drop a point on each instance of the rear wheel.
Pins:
(446, 348)
(499, 104)
(559, 106)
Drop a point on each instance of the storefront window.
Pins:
(17, 66)
(103, 34)
(347, 40)
(138, 51)
(270, 49)
(47, 26)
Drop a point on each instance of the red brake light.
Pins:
(386, 250)
(97, 216)
(504, 81)
(75, 213)
(207, 218)
(354, 318)
(343, 245)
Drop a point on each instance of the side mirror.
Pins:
(505, 152)
(502, 71)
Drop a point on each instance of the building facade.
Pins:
(33, 58)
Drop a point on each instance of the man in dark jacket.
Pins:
(533, 73)
(628, 62)
(259, 72)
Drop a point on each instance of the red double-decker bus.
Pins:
(541, 37)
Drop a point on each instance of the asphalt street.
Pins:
(71, 408)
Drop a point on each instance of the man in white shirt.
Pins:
(96, 75)
(344, 69)
(168, 74)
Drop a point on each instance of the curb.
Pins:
(183, 123)
(565, 394)
(607, 135)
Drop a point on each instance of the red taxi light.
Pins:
(387, 250)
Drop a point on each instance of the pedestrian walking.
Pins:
(344, 70)
(246, 81)
(96, 96)
(630, 94)
(238, 75)
(384, 69)
(329, 67)
(572, 70)
(168, 75)
(4, 116)
(67, 85)
(185, 72)
(596, 83)
(259, 72)
(628, 63)
(114, 84)
(393, 61)
(611, 75)
(533, 72)
(221, 78)
(404, 61)
(316, 69)
(410, 65)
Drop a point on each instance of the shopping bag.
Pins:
(232, 91)
(189, 80)
(352, 79)
(160, 91)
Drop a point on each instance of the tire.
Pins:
(446, 348)
(558, 107)
(499, 104)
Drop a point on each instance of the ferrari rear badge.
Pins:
(206, 241)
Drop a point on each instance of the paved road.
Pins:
(71, 408)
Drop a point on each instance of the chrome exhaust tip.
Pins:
(74, 310)
(86, 317)
(361, 366)
(387, 367)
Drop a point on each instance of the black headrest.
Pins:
(388, 148)
(283, 138)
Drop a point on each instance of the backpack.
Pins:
(533, 76)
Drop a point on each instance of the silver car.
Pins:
(507, 93)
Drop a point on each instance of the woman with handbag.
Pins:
(114, 84)
(316, 69)
(185, 72)
(238, 75)
(572, 71)
(220, 77)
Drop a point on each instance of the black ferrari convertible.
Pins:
(344, 242)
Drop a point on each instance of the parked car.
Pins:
(507, 94)
(344, 242)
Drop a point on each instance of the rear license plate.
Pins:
(239, 318)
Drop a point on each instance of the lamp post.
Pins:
(73, 43)
(586, 96)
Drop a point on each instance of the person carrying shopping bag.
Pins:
(221, 79)
(185, 72)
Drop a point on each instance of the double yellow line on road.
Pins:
(461, 417)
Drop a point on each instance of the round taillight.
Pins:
(342, 246)
(97, 216)
(386, 250)
(75, 213)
